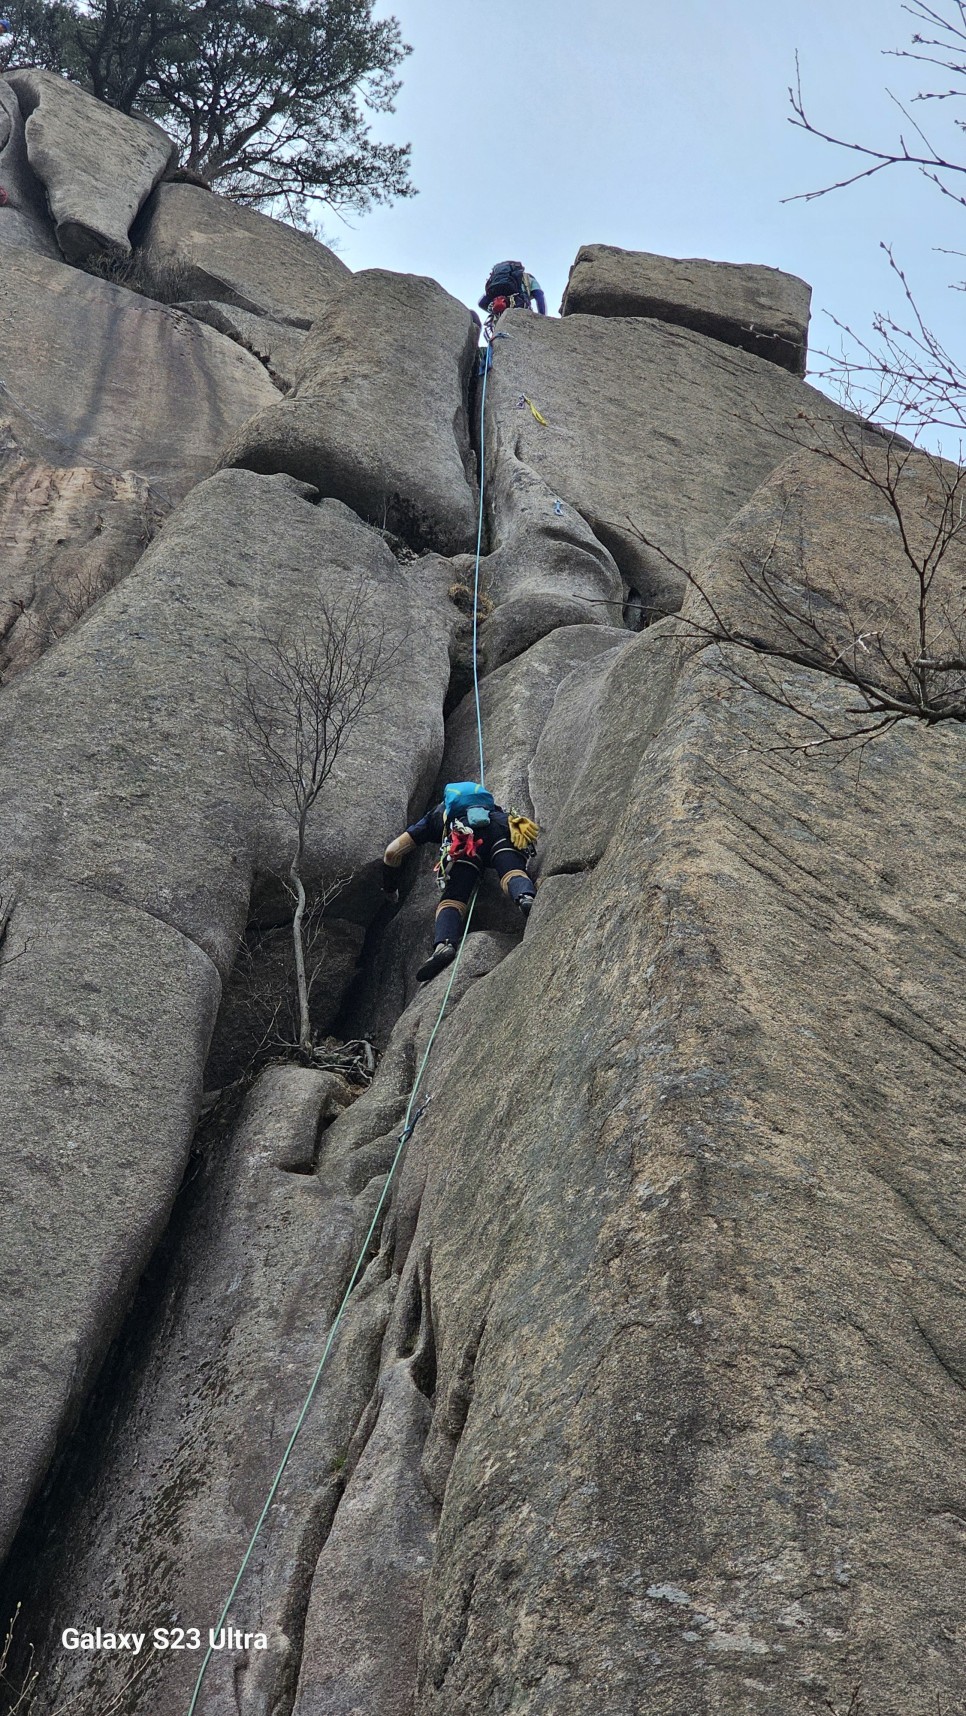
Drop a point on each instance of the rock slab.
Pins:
(744, 304)
(199, 245)
(126, 385)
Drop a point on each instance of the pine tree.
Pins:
(266, 98)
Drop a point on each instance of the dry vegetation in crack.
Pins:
(37, 625)
(164, 283)
(266, 999)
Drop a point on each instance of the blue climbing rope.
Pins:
(411, 1117)
(487, 360)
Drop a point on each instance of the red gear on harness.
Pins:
(498, 305)
(464, 844)
(457, 843)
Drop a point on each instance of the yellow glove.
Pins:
(523, 832)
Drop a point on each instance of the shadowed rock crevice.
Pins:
(232, 1317)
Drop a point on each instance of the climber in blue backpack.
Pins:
(510, 287)
(472, 831)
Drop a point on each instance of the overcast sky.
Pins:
(546, 124)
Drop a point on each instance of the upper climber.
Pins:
(472, 831)
(510, 287)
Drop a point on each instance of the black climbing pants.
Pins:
(463, 877)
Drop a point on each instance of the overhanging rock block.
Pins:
(762, 310)
(98, 166)
(198, 245)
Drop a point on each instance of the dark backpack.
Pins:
(505, 280)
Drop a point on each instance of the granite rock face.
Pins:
(681, 431)
(69, 535)
(26, 223)
(97, 166)
(646, 1392)
(141, 811)
(197, 245)
(545, 567)
(126, 385)
(378, 416)
(761, 310)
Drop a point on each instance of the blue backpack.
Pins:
(468, 801)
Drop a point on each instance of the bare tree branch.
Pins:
(299, 695)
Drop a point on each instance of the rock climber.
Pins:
(472, 831)
(510, 287)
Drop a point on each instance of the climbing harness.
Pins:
(412, 1114)
(458, 842)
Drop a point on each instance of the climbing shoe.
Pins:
(442, 955)
(525, 902)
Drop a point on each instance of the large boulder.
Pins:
(198, 245)
(97, 166)
(655, 434)
(378, 414)
(759, 309)
(129, 836)
(125, 385)
(24, 219)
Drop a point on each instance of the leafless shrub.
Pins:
(263, 1022)
(19, 1691)
(945, 49)
(902, 377)
(901, 650)
(299, 696)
